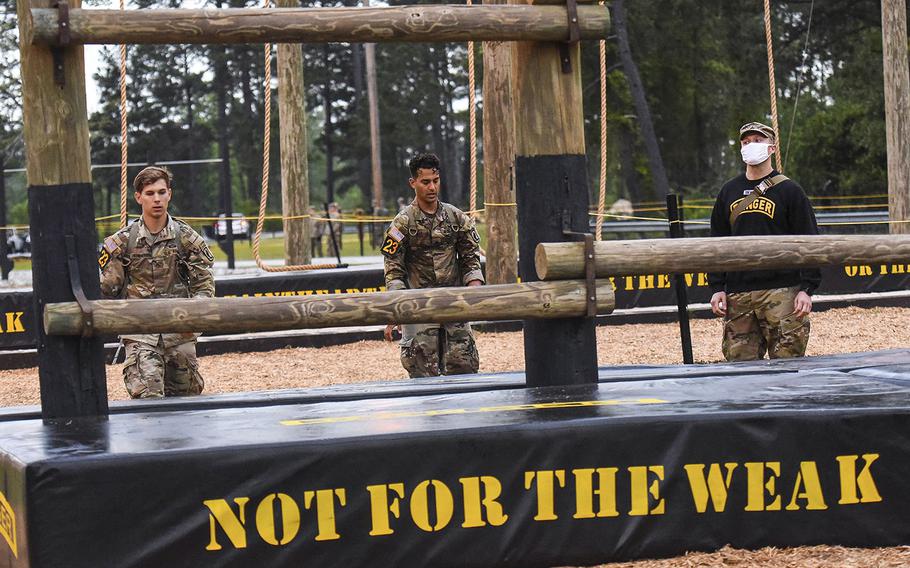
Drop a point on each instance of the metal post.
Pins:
(674, 215)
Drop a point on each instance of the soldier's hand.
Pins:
(389, 329)
(719, 303)
(475, 283)
(802, 305)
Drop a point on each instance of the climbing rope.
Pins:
(124, 145)
(266, 149)
(472, 119)
(769, 42)
(602, 194)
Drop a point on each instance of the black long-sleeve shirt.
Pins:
(784, 209)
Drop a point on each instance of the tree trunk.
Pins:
(658, 173)
(897, 112)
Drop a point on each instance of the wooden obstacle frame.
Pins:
(459, 471)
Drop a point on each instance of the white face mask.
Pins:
(755, 153)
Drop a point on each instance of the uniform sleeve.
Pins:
(199, 262)
(468, 243)
(802, 222)
(393, 254)
(110, 261)
(720, 227)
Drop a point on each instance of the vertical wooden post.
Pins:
(369, 51)
(897, 111)
(552, 193)
(61, 205)
(295, 187)
(498, 156)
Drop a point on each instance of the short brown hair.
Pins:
(150, 175)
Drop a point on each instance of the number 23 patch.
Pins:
(392, 242)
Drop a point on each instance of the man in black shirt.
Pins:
(763, 310)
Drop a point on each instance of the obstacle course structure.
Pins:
(471, 471)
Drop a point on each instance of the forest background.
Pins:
(703, 64)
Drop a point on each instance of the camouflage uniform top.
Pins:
(158, 266)
(431, 251)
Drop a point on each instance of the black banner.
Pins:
(17, 325)
(520, 477)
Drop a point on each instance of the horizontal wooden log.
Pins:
(557, 261)
(239, 315)
(423, 23)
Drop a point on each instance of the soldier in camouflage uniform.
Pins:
(763, 310)
(431, 244)
(157, 256)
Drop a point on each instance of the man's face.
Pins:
(426, 187)
(154, 199)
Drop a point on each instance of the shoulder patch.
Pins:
(392, 242)
(103, 258)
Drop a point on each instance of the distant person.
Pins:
(431, 244)
(318, 228)
(337, 228)
(157, 256)
(763, 310)
(401, 204)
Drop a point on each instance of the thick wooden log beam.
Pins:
(241, 315)
(423, 23)
(557, 261)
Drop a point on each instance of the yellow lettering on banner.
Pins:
(850, 481)
(757, 486)
(232, 525)
(585, 492)
(645, 281)
(702, 278)
(420, 505)
(860, 270)
(630, 282)
(14, 322)
(898, 269)
(612, 280)
(716, 486)
(477, 501)
(380, 507)
(546, 491)
(808, 487)
(663, 281)
(290, 519)
(643, 492)
(8, 524)
(325, 510)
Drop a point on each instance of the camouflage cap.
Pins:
(758, 127)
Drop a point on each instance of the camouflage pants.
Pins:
(420, 349)
(763, 321)
(155, 371)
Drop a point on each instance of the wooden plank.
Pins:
(295, 186)
(422, 23)
(556, 261)
(430, 305)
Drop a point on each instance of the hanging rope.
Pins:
(602, 194)
(472, 119)
(799, 83)
(768, 40)
(123, 140)
(266, 149)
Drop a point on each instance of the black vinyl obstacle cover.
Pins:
(650, 462)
